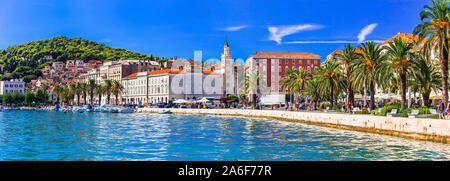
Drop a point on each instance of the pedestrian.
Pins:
(350, 107)
(441, 110)
(448, 111)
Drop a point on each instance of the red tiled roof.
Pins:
(406, 36)
(286, 53)
(165, 71)
(337, 51)
(207, 72)
(131, 75)
(157, 72)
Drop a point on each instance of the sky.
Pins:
(167, 28)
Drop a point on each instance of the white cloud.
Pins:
(361, 37)
(366, 31)
(277, 33)
(235, 28)
(328, 42)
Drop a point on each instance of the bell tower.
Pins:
(227, 68)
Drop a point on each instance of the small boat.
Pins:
(165, 112)
(125, 110)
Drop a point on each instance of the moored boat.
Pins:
(165, 112)
(125, 110)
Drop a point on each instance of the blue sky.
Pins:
(169, 28)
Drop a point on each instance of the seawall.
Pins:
(415, 128)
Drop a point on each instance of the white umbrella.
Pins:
(180, 101)
(203, 100)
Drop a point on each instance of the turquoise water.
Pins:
(40, 135)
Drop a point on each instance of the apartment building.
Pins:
(12, 86)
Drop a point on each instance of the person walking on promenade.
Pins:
(441, 110)
(448, 111)
(349, 107)
(310, 105)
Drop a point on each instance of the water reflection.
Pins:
(35, 135)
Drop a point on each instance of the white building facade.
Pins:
(12, 86)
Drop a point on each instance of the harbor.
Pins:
(29, 135)
(415, 128)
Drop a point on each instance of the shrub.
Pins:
(406, 112)
(389, 108)
(363, 111)
(424, 110)
(336, 108)
(436, 116)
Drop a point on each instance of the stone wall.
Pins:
(416, 128)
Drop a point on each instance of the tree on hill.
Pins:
(61, 48)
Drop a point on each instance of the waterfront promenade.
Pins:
(415, 128)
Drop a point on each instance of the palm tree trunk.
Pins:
(108, 96)
(117, 101)
(92, 96)
(426, 98)
(403, 90)
(332, 95)
(444, 71)
(79, 99)
(100, 99)
(350, 96)
(372, 95)
(253, 101)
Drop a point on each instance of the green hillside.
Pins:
(22, 61)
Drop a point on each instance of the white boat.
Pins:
(165, 112)
(81, 110)
(125, 110)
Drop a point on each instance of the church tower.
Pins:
(226, 51)
(226, 65)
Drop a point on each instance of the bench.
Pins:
(433, 111)
(413, 114)
(392, 113)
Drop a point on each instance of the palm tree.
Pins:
(66, 94)
(347, 59)
(313, 90)
(436, 29)
(255, 86)
(399, 52)
(84, 91)
(366, 72)
(295, 81)
(99, 90)
(91, 87)
(59, 91)
(117, 89)
(73, 89)
(425, 75)
(77, 89)
(286, 82)
(329, 77)
(108, 87)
